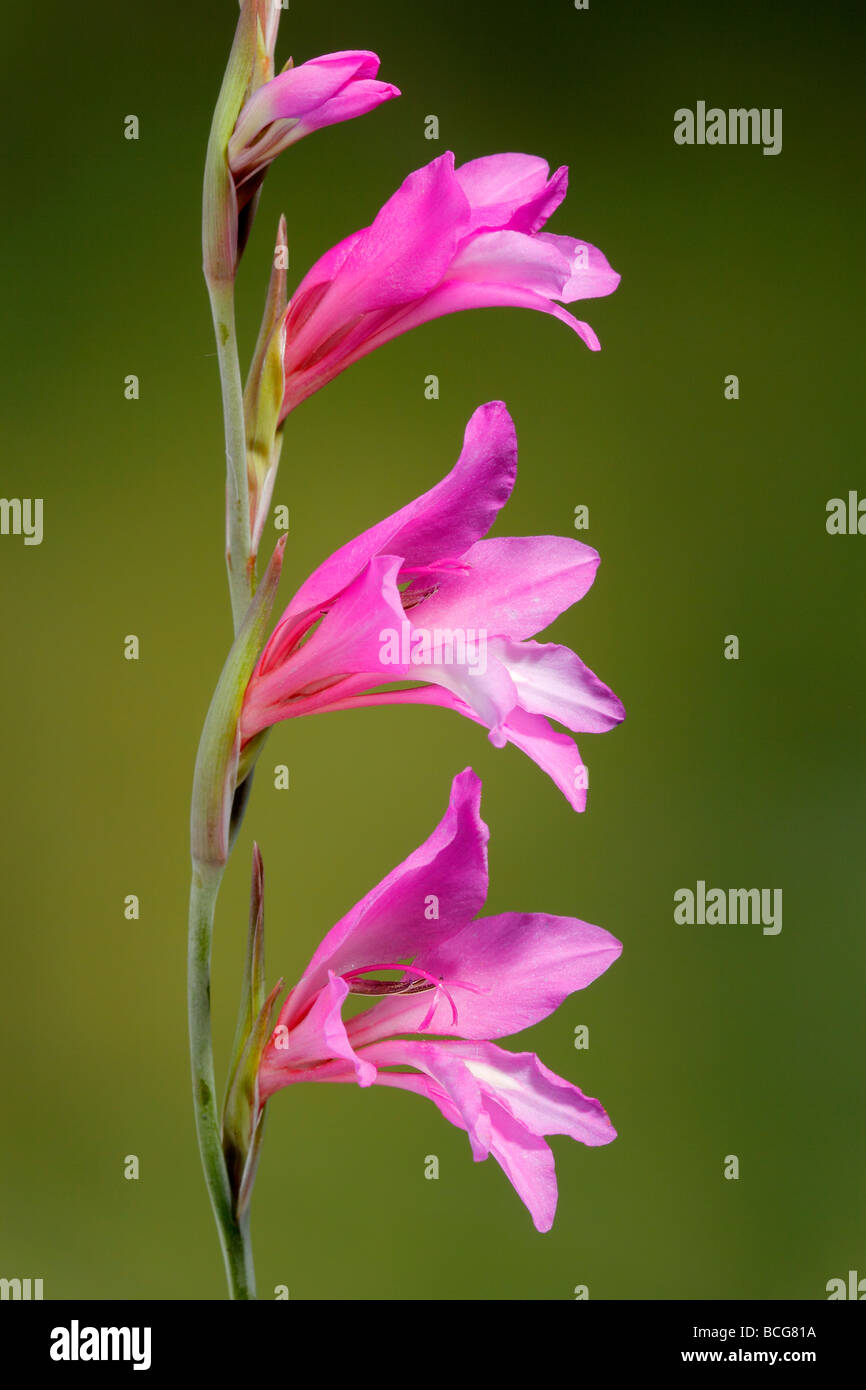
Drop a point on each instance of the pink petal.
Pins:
(448, 240)
(555, 753)
(298, 92)
(442, 522)
(592, 275)
(530, 263)
(282, 111)
(346, 641)
(452, 296)
(518, 1084)
(317, 280)
(527, 1162)
(306, 374)
(489, 692)
(395, 261)
(435, 891)
(355, 100)
(553, 681)
(512, 586)
(319, 1037)
(450, 1076)
(524, 1158)
(511, 191)
(520, 966)
(537, 1098)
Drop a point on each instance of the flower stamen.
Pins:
(421, 985)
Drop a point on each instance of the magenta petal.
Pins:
(445, 521)
(355, 100)
(521, 966)
(537, 1098)
(411, 241)
(449, 239)
(525, 1159)
(553, 681)
(511, 191)
(323, 91)
(555, 267)
(527, 1162)
(449, 1075)
(374, 276)
(555, 753)
(316, 282)
(592, 275)
(502, 180)
(528, 263)
(452, 296)
(489, 692)
(396, 260)
(347, 641)
(534, 213)
(533, 1096)
(319, 1037)
(298, 91)
(432, 894)
(512, 586)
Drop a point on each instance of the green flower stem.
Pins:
(217, 807)
(206, 879)
(238, 562)
(234, 1235)
(213, 826)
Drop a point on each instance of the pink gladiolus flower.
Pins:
(448, 239)
(421, 597)
(319, 93)
(470, 980)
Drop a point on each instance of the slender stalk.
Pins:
(210, 835)
(217, 809)
(234, 1235)
(238, 563)
(206, 879)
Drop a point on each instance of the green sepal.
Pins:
(263, 394)
(243, 1117)
(242, 1114)
(253, 986)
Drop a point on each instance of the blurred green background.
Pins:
(709, 516)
